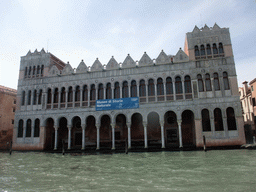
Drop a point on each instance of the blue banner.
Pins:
(122, 103)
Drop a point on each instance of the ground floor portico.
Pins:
(147, 127)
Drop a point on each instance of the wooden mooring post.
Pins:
(10, 149)
(204, 140)
(63, 149)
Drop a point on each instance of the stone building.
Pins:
(181, 99)
(7, 113)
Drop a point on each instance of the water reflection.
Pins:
(230, 170)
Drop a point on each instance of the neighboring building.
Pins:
(181, 99)
(253, 96)
(7, 113)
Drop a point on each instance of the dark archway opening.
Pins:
(62, 133)
(50, 134)
(171, 129)
(90, 132)
(105, 131)
(188, 128)
(137, 130)
(121, 131)
(76, 138)
(154, 130)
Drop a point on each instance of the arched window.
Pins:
(169, 87)
(70, 94)
(202, 50)
(93, 93)
(178, 88)
(142, 88)
(108, 91)
(23, 98)
(55, 97)
(29, 97)
(20, 128)
(231, 120)
(208, 48)
(42, 70)
(49, 96)
(77, 93)
(200, 83)
(37, 128)
(40, 97)
(100, 91)
(160, 86)
(34, 97)
(117, 91)
(214, 49)
(218, 122)
(216, 82)
(208, 82)
(63, 95)
(125, 89)
(29, 71)
(34, 70)
(28, 128)
(196, 51)
(26, 72)
(151, 87)
(225, 81)
(133, 89)
(187, 85)
(38, 70)
(221, 48)
(85, 93)
(206, 124)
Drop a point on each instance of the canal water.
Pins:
(216, 170)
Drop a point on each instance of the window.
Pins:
(63, 95)
(221, 48)
(178, 85)
(93, 93)
(12, 121)
(55, 97)
(160, 86)
(49, 96)
(208, 82)
(26, 72)
(77, 94)
(231, 120)
(196, 51)
(37, 128)
(151, 87)
(142, 88)
(40, 97)
(125, 90)
(29, 97)
(218, 122)
(133, 89)
(14, 101)
(13, 109)
(70, 94)
(206, 124)
(42, 70)
(20, 128)
(252, 88)
(116, 91)
(108, 91)
(34, 97)
(169, 88)
(208, 49)
(85, 93)
(202, 49)
(100, 91)
(28, 128)
(225, 81)
(200, 83)
(187, 85)
(216, 82)
(214, 49)
(38, 70)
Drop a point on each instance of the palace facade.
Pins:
(182, 98)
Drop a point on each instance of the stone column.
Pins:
(183, 89)
(69, 136)
(73, 98)
(32, 98)
(37, 98)
(66, 98)
(145, 135)
(146, 85)
(98, 136)
(52, 100)
(138, 89)
(104, 92)
(96, 94)
(180, 134)
(129, 89)
(162, 134)
(174, 91)
(32, 129)
(56, 138)
(59, 98)
(113, 136)
(89, 91)
(121, 91)
(81, 97)
(164, 83)
(155, 86)
(129, 135)
(112, 93)
(225, 126)
(83, 136)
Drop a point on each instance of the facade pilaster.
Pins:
(98, 136)
(162, 134)
(180, 134)
(83, 136)
(164, 83)
(113, 136)
(56, 138)
(69, 136)
(129, 135)
(145, 135)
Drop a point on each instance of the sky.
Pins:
(83, 29)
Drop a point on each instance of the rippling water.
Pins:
(223, 170)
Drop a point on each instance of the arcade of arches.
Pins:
(112, 132)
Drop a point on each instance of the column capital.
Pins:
(145, 124)
(56, 128)
(83, 126)
(129, 124)
(69, 126)
(179, 121)
(113, 125)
